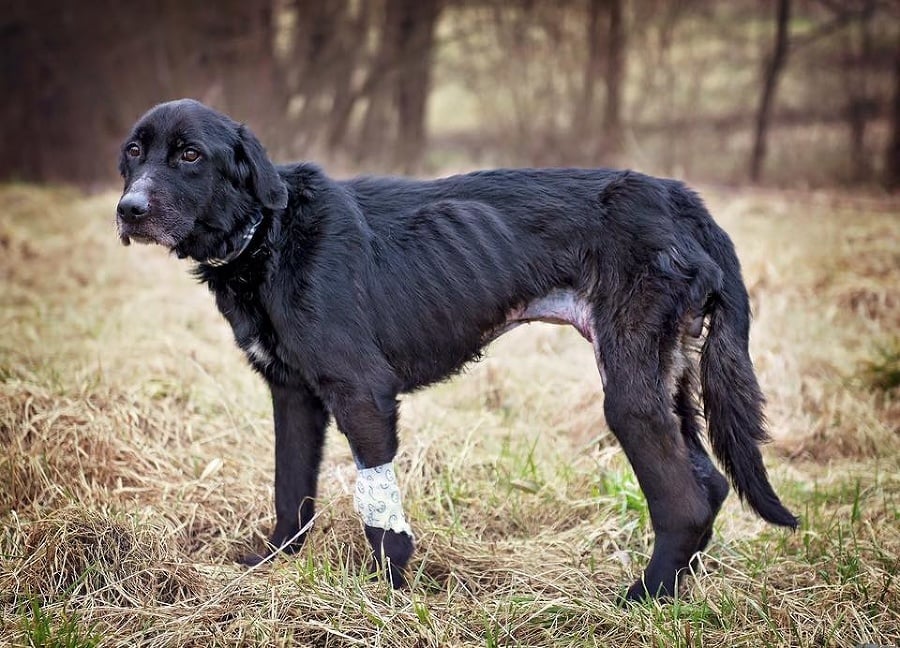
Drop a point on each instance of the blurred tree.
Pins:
(605, 60)
(376, 124)
(327, 45)
(582, 124)
(51, 69)
(317, 50)
(859, 48)
(83, 72)
(400, 81)
(892, 151)
(416, 34)
(774, 65)
(615, 75)
(349, 58)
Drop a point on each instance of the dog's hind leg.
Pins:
(640, 411)
(370, 425)
(710, 479)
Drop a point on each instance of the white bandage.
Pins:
(377, 499)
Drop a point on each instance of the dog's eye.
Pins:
(190, 155)
(133, 150)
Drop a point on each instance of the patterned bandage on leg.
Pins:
(377, 499)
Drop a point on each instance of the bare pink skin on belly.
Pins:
(556, 307)
(567, 307)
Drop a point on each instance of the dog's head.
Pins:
(193, 176)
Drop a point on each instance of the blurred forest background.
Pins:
(135, 443)
(793, 93)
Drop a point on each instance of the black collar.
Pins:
(243, 243)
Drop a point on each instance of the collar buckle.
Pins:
(218, 262)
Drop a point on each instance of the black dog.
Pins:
(346, 294)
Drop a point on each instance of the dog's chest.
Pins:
(253, 330)
(260, 345)
(258, 353)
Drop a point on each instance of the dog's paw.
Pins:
(253, 559)
(392, 552)
(396, 576)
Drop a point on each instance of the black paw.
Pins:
(392, 553)
(396, 576)
(253, 559)
(640, 592)
(273, 549)
(716, 487)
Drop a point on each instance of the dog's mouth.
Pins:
(144, 235)
(129, 234)
(126, 239)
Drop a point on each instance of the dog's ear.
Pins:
(252, 160)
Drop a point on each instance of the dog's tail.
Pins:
(732, 400)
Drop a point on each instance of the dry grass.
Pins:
(135, 463)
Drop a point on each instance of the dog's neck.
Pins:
(242, 244)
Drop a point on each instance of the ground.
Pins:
(136, 462)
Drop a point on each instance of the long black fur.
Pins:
(352, 292)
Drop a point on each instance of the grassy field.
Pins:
(136, 463)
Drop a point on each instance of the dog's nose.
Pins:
(133, 206)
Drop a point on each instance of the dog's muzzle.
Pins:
(133, 210)
(133, 207)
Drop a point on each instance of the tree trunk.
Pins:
(615, 73)
(770, 85)
(64, 60)
(892, 152)
(583, 132)
(21, 72)
(345, 94)
(393, 129)
(859, 104)
(608, 142)
(412, 86)
(248, 72)
(57, 62)
(319, 50)
(377, 125)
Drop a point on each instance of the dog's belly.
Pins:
(556, 307)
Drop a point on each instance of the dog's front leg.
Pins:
(370, 424)
(300, 421)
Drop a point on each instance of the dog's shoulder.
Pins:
(305, 181)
